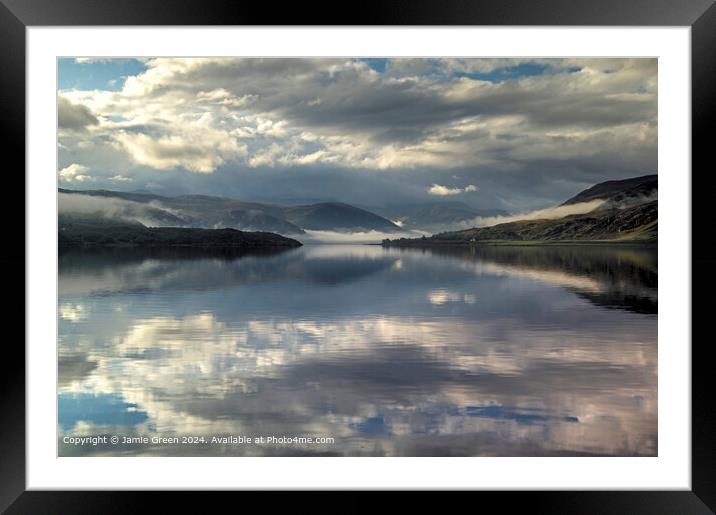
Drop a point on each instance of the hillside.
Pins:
(627, 217)
(90, 230)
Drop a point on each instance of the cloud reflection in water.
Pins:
(494, 351)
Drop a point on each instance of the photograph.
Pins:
(357, 256)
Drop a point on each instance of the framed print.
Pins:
(420, 252)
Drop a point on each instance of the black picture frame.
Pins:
(700, 15)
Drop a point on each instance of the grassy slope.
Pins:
(634, 224)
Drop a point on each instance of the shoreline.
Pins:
(519, 243)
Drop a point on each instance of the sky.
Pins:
(510, 134)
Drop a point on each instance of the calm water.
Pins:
(497, 351)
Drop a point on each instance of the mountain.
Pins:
(630, 213)
(619, 192)
(436, 216)
(203, 211)
(335, 216)
(90, 230)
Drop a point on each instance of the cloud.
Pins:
(437, 189)
(75, 173)
(120, 178)
(531, 123)
(198, 148)
(73, 312)
(74, 117)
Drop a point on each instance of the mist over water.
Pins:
(486, 351)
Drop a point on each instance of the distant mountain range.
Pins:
(628, 212)
(202, 211)
(624, 210)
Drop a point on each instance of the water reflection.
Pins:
(508, 351)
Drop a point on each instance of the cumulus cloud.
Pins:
(196, 146)
(534, 119)
(437, 189)
(73, 312)
(74, 117)
(75, 173)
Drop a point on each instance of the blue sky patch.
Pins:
(522, 416)
(503, 74)
(377, 64)
(372, 426)
(106, 74)
(101, 409)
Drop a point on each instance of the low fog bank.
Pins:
(550, 213)
(354, 237)
(151, 214)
